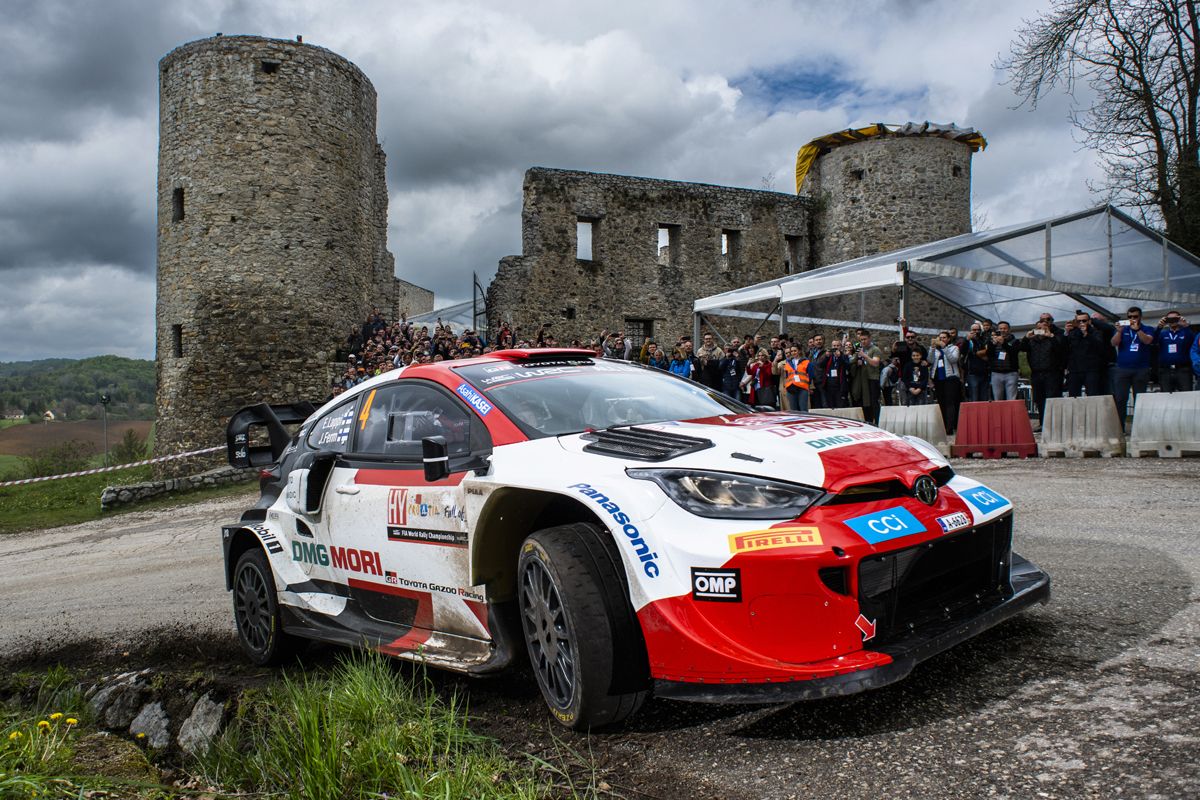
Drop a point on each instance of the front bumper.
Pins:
(1030, 586)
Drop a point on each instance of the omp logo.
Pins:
(881, 526)
(773, 538)
(345, 558)
(397, 507)
(984, 499)
(474, 398)
(718, 585)
(640, 548)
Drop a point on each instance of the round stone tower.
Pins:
(272, 226)
(887, 187)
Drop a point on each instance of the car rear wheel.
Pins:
(256, 612)
(584, 642)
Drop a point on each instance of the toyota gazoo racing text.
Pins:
(628, 530)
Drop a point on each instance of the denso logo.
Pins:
(628, 528)
(346, 558)
(881, 526)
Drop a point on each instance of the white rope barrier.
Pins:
(111, 469)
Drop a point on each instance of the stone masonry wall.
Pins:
(412, 300)
(272, 220)
(626, 279)
(885, 194)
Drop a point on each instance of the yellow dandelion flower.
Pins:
(43, 725)
(72, 721)
(141, 736)
(56, 716)
(12, 737)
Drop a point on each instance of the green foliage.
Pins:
(70, 500)
(35, 749)
(361, 731)
(72, 456)
(72, 388)
(131, 448)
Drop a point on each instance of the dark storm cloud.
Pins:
(109, 228)
(67, 62)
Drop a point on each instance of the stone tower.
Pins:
(896, 187)
(272, 227)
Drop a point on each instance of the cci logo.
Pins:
(984, 499)
(881, 526)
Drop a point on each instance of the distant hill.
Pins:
(71, 388)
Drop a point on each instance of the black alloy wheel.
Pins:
(584, 642)
(256, 612)
(547, 635)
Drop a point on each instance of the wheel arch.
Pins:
(238, 541)
(509, 516)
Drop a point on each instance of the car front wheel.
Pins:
(584, 642)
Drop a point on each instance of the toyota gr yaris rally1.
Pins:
(627, 530)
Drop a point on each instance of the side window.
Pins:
(396, 418)
(332, 431)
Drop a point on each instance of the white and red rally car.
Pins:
(634, 530)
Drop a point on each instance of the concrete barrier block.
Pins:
(924, 422)
(1167, 425)
(844, 413)
(1082, 426)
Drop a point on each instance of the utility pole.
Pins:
(105, 399)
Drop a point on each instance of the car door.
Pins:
(401, 541)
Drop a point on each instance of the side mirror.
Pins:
(436, 457)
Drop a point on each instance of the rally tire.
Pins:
(256, 612)
(583, 640)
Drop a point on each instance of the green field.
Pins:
(68, 501)
(8, 423)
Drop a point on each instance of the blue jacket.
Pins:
(1196, 356)
(1181, 339)
(681, 367)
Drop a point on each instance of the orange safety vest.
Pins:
(795, 376)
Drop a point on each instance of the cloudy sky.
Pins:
(471, 94)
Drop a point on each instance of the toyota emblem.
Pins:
(925, 490)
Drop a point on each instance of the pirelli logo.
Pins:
(773, 538)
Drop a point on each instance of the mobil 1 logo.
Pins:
(717, 585)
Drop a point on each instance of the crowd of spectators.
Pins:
(1087, 355)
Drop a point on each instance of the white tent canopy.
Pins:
(1100, 260)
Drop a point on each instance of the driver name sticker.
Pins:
(474, 399)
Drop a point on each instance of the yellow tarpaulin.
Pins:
(823, 144)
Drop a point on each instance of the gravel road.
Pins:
(1095, 695)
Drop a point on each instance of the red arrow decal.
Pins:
(867, 626)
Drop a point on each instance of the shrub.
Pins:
(71, 456)
(131, 448)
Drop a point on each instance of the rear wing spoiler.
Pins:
(273, 418)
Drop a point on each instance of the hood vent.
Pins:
(642, 444)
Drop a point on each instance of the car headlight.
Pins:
(725, 495)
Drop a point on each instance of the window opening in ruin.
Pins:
(857, 174)
(668, 244)
(569, 312)
(794, 262)
(956, 171)
(731, 248)
(177, 340)
(585, 230)
(270, 67)
(177, 205)
(638, 330)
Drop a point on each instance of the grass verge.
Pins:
(68, 501)
(361, 730)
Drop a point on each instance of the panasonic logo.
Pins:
(640, 548)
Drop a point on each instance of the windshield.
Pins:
(575, 395)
